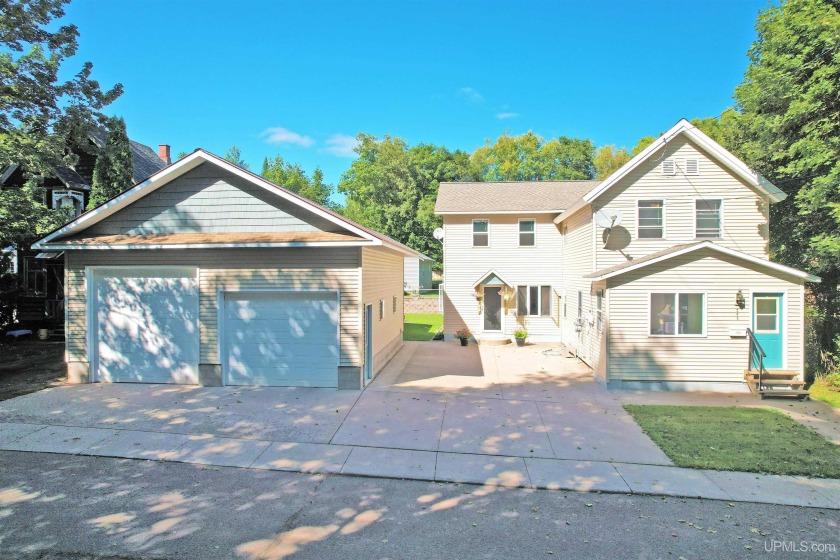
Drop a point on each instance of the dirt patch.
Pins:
(27, 366)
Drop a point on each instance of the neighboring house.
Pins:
(662, 300)
(41, 296)
(418, 273)
(206, 273)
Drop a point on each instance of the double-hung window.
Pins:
(481, 233)
(599, 309)
(533, 301)
(677, 314)
(708, 219)
(527, 233)
(651, 224)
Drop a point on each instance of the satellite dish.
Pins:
(438, 233)
(608, 218)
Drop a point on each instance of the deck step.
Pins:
(777, 382)
(772, 374)
(798, 393)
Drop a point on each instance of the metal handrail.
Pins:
(755, 348)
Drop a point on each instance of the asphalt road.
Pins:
(83, 508)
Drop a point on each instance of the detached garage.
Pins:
(208, 274)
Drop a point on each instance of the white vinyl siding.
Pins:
(745, 211)
(382, 280)
(464, 266)
(717, 356)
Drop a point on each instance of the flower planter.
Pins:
(43, 334)
(465, 341)
(520, 342)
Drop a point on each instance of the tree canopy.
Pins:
(292, 176)
(113, 172)
(40, 114)
(529, 157)
(607, 159)
(234, 155)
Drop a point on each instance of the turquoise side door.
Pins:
(769, 328)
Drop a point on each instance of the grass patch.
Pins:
(821, 391)
(762, 440)
(421, 326)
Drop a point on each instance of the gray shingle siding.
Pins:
(210, 200)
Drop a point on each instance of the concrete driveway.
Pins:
(488, 400)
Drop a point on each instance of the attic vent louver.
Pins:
(692, 166)
(668, 167)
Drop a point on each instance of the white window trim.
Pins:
(694, 226)
(519, 233)
(664, 220)
(677, 294)
(473, 232)
(75, 195)
(778, 301)
(539, 300)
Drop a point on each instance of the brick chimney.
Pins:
(163, 153)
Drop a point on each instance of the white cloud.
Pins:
(506, 115)
(470, 94)
(284, 136)
(341, 145)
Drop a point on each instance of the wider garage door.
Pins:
(281, 339)
(145, 325)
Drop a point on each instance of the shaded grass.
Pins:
(421, 326)
(762, 440)
(821, 391)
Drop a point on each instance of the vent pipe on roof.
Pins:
(163, 153)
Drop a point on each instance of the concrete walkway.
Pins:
(502, 416)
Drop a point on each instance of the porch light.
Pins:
(739, 300)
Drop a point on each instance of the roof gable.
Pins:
(702, 141)
(194, 160)
(678, 250)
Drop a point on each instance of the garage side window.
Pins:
(395, 304)
(381, 309)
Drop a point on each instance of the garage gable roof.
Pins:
(695, 135)
(192, 161)
(678, 250)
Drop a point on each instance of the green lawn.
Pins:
(821, 392)
(760, 440)
(421, 326)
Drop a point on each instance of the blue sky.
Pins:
(301, 79)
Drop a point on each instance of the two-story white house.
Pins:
(658, 276)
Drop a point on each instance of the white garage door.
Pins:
(145, 325)
(281, 339)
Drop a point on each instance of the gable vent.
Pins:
(669, 167)
(692, 166)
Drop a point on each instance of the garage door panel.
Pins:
(146, 326)
(282, 339)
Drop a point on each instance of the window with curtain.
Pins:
(708, 219)
(676, 314)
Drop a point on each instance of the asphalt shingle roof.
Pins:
(511, 196)
(640, 260)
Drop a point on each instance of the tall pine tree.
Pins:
(113, 171)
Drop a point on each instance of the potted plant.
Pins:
(464, 336)
(520, 335)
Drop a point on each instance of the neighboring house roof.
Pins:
(145, 162)
(510, 196)
(198, 157)
(685, 248)
(694, 134)
(71, 179)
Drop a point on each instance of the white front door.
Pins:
(144, 325)
(281, 339)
